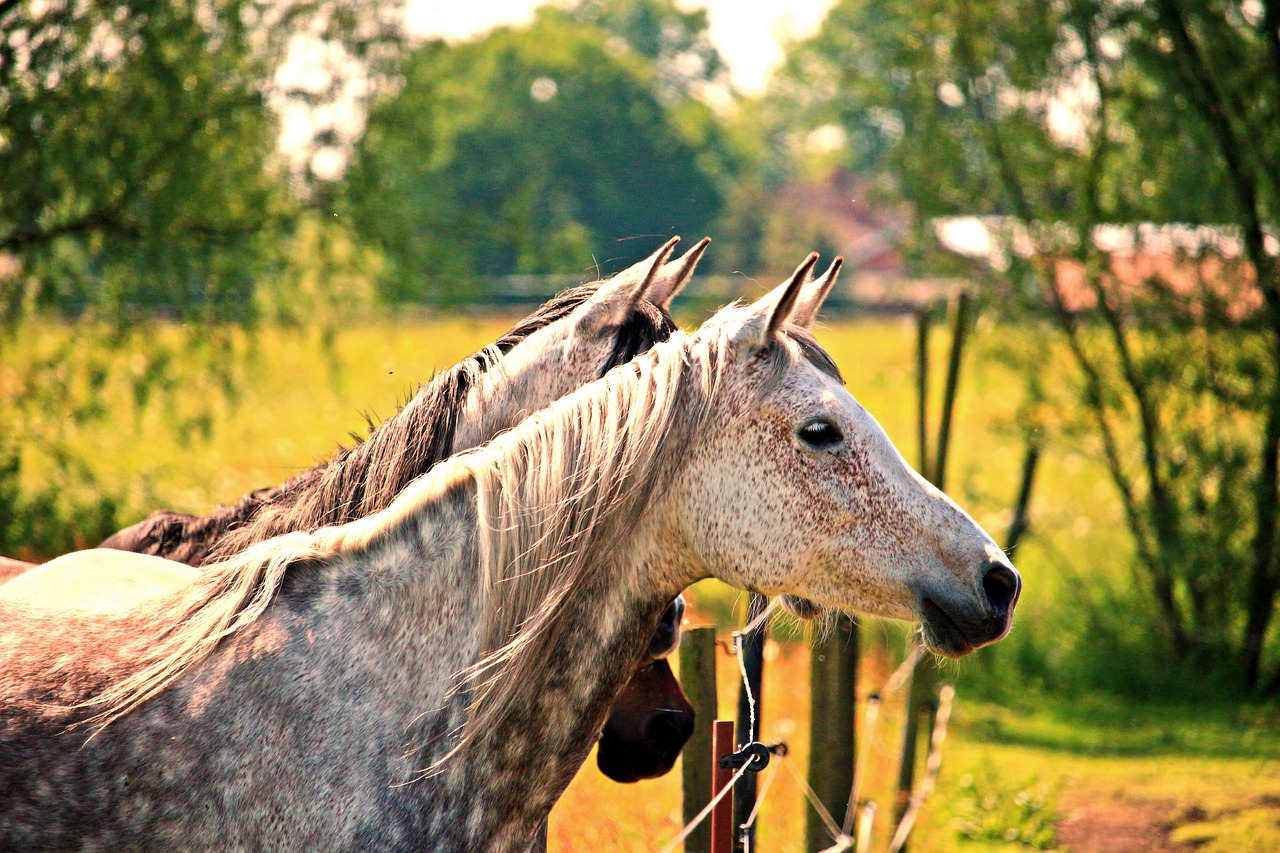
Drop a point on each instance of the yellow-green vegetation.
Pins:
(1037, 772)
(1033, 760)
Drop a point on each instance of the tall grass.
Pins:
(288, 397)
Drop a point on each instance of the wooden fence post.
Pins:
(698, 677)
(924, 680)
(959, 329)
(833, 683)
(722, 814)
(1022, 506)
(922, 388)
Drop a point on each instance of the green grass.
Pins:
(1030, 743)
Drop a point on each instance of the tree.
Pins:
(1072, 115)
(526, 151)
(675, 41)
(140, 177)
(138, 154)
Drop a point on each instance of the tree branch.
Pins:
(1264, 577)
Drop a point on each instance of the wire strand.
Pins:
(739, 638)
(832, 827)
(932, 765)
(702, 815)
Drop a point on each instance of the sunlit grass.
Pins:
(1212, 771)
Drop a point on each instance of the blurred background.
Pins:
(232, 230)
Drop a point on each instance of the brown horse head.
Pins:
(652, 720)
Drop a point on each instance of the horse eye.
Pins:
(821, 434)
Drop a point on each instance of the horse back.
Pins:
(97, 581)
(11, 568)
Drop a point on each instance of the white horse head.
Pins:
(819, 503)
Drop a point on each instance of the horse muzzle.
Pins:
(647, 753)
(649, 725)
(955, 625)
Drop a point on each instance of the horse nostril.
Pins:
(1001, 585)
(668, 730)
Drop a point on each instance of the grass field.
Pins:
(1030, 756)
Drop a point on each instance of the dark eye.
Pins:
(821, 434)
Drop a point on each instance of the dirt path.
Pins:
(1092, 822)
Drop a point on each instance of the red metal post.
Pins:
(722, 814)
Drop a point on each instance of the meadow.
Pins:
(1036, 758)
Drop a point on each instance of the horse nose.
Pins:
(667, 731)
(1000, 586)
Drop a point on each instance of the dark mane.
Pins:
(363, 479)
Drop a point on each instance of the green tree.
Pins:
(675, 41)
(525, 151)
(1065, 116)
(137, 146)
(139, 170)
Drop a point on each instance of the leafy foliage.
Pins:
(1063, 117)
(522, 152)
(675, 41)
(137, 149)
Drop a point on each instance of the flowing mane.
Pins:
(367, 477)
(565, 484)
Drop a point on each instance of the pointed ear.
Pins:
(675, 275)
(772, 310)
(618, 296)
(812, 297)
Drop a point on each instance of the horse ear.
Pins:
(672, 278)
(769, 313)
(618, 296)
(815, 294)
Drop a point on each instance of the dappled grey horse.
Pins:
(384, 683)
(541, 358)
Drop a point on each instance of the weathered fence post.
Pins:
(1022, 507)
(922, 388)
(924, 679)
(959, 329)
(722, 813)
(833, 683)
(698, 677)
(752, 651)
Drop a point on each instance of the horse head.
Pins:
(652, 720)
(803, 454)
(576, 337)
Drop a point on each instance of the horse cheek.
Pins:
(740, 523)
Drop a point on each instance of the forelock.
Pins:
(814, 353)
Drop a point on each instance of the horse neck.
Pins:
(522, 761)
(419, 588)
